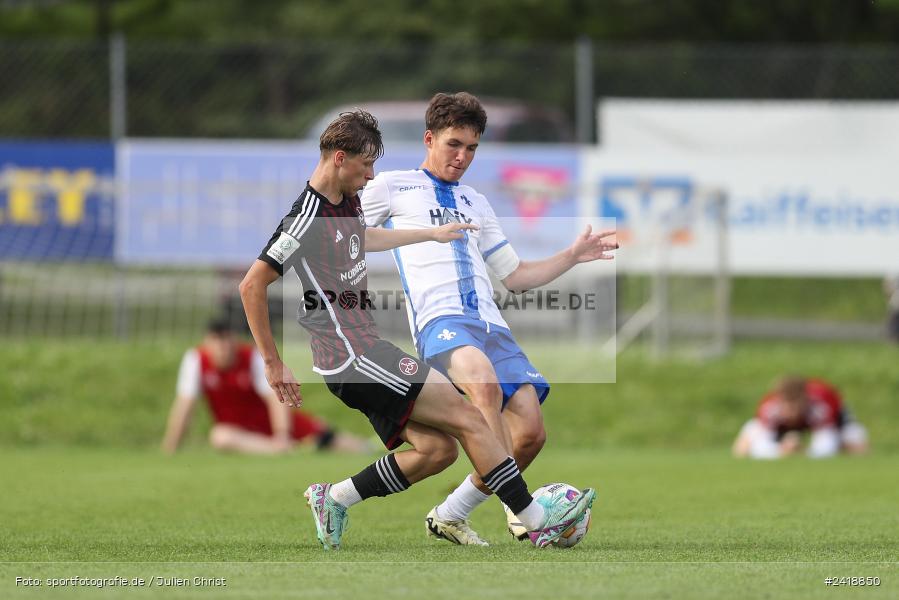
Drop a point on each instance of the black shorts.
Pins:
(383, 383)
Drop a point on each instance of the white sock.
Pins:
(533, 516)
(459, 504)
(345, 493)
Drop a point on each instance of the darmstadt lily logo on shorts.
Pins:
(408, 366)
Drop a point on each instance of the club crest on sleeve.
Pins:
(408, 366)
(283, 248)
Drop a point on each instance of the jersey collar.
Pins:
(322, 197)
(438, 180)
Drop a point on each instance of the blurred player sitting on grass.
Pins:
(323, 239)
(457, 328)
(798, 405)
(247, 415)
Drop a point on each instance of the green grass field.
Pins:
(87, 494)
(666, 525)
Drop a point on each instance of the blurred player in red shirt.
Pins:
(798, 405)
(246, 412)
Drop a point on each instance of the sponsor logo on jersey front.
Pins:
(354, 275)
(355, 246)
(442, 217)
(446, 335)
(283, 248)
(408, 366)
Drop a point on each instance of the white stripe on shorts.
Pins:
(375, 376)
(399, 380)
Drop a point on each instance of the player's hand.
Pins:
(791, 443)
(282, 443)
(285, 385)
(591, 246)
(451, 231)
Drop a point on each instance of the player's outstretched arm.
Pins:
(587, 247)
(254, 295)
(378, 238)
(279, 417)
(179, 418)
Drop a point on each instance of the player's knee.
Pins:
(440, 453)
(530, 441)
(444, 454)
(486, 396)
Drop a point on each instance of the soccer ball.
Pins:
(576, 532)
(572, 536)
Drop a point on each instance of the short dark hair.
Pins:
(219, 326)
(455, 110)
(354, 132)
(791, 388)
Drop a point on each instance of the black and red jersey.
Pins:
(324, 243)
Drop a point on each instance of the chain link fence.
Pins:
(89, 89)
(66, 89)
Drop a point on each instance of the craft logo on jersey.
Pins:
(442, 217)
(446, 335)
(408, 366)
(338, 237)
(354, 246)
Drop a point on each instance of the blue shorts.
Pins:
(513, 369)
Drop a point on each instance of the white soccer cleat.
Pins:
(516, 528)
(457, 532)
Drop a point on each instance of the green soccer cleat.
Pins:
(562, 511)
(329, 515)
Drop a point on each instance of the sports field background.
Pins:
(88, 494)
(92, 328)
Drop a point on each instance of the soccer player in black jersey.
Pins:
(324, 239)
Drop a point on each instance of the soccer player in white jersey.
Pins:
(404, 401)
(455, 324)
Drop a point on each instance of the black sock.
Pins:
(507, 483)
(381, 478)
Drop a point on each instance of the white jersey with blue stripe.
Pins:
(441, 279)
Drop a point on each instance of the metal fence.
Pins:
(79, 89)
(88, 89)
